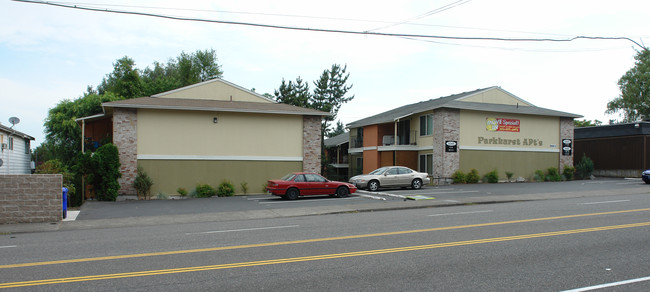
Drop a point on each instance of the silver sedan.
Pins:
(390, 176)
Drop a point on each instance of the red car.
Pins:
(305, 184)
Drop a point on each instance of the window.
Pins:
(403, 170)
(426, 125)
(11, 143)
(393, 171)
(27, 147)
(426, 163)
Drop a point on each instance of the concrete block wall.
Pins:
(26, 198)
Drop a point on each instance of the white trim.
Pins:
(369, 148)
(515, 149)
(403, 148)
(216, 158)
(355, 150)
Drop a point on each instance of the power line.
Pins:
(330, 30)
(429, 13)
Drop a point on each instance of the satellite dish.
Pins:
(14, 120)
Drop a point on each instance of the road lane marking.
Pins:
(243, 229)
(607, 285)
(267, 244)
(460, 213)
(604, 202)
(314, 258)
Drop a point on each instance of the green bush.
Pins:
(585, 168)
(225, 189)
(509, 175)
(539, 175)
(142, 183)
(553, 174)
(244, 187)
(568, 172)
(55, 166)
(458, 177)
(472, 176)
(205, 191)
(492, 177)
(105, 172)
(182, 192)
(162, 196)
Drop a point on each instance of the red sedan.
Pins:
(305, 184)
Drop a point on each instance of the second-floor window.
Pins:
(426, 125)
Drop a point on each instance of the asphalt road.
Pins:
(447, 194)
(550, 245)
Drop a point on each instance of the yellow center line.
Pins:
(267, 244)
(313, 258)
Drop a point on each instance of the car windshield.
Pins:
(288, 177)
(378, 171)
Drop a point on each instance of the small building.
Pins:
(207, 133)
(336, 153)
(15, 155)
(484, 129)
(621, 150)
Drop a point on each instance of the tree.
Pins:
(124, 81)
(330, 92)
(294, 93)
(340, 129)
(586, 123)
(634, 101)
(104, 172)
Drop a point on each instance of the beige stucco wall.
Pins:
(215, 90)
(521, 164)
(496, 96)
(536, 133)
(237, 136)
(169, 175)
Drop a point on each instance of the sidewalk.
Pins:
(223, 215)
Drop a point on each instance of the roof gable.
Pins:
(495, 95)
(215, 89)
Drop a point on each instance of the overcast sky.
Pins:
(48, 54)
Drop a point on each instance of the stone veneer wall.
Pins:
(125, 132)
(311, 143)
(26, 198)
(566, 132)
(446, 127)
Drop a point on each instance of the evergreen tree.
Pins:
(634, 101)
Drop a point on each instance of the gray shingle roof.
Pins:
(212, 105)
(452, 102)
(337, 140)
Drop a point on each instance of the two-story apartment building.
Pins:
(485, 129)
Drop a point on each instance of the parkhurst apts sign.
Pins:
(502, 125)
(506, 125)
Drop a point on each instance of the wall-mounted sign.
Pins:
(451, 146)
(566, 147)
(502, 125)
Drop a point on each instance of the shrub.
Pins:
(458, 177)
(142, 183)
(244, 187)
(55, 166)
(553, 174)
(509, 175)
(225, 189)
(205, 191)
(182, 192)
(105, 172)
(162, 196)
(472, 176)
(568, 172)
(492, 177)
(585, 167)
(539, 175)
(264, 190)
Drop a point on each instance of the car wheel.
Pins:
(416, 184)
(342, 192)
(373, 185)
(292, 194)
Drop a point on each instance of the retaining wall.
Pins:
(31, 198)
